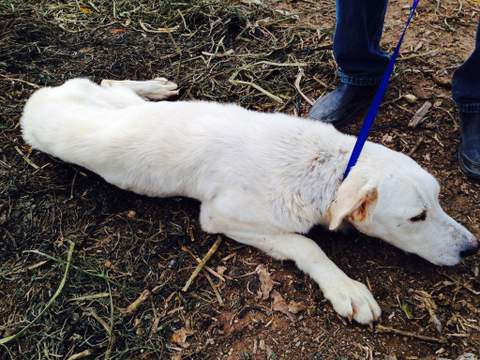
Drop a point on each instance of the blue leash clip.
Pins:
(378, 98)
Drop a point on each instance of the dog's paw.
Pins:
(161, 88)
(353, 300)
(156, 89)
(107, 83)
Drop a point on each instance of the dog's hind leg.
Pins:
(156, 89)
(74, 120)
(85, 93)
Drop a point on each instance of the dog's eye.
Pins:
(420, 217)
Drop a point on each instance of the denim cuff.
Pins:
(359, 80)
(469, 108)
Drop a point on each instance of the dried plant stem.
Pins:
(386, 329)
(202, 263)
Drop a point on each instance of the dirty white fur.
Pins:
(262, 179)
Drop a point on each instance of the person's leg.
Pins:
(356, 43)
(466, 93)
(466, 81)
(360, 59)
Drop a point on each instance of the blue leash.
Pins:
(377, 100)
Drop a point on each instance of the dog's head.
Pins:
(397, 201)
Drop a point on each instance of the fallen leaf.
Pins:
(179, 337)
(296, 307)
(85, 10)
(406, 310)
(279, 303)
(117, 31)
(266, 282)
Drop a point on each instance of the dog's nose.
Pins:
(471, 250)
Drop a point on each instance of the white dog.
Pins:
(262, 179)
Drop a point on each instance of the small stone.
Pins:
(410, 98)
(172, 264)
(131, 214)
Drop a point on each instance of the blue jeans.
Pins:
(356, 46)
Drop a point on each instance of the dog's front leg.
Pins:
(349, 298)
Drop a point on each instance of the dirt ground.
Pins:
(130, 247)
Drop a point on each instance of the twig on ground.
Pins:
(147, 28)
(259, 88)
(208, 268)
(430, 53)
(386, 329)
(133, 307)
(219, 55)
(301, 72)
(465, 286)
(419, 116)
(202, 263)
(214, 288)
(90, 297)
(417, 145)
(102, 322)
(271, 63)
(81, 355)
(20, 81)
(27, 160)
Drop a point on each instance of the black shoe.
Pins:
(343, 105)
(469, 152)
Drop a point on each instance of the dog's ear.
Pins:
(354, 201)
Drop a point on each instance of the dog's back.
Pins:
(182, 148)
